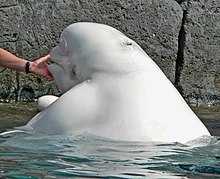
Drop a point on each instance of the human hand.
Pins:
(40, 67)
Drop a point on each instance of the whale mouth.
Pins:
(58, 67)
(55, 61)
(53, 66)
(64, 76)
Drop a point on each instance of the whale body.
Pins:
(112, 88)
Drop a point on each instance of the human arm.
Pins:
(38, 67)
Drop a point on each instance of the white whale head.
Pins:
(86, 49)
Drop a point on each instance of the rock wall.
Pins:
(182, 37)
(199, 55)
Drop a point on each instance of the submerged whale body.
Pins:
(112, 88)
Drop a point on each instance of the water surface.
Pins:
(24, 155)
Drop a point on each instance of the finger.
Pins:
(45, 58)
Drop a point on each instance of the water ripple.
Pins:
(25, 155)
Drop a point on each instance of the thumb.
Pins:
(45, 58)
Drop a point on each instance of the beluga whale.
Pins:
(112, 88)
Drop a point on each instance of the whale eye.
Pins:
(74, 70)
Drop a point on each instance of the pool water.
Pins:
(25, 155)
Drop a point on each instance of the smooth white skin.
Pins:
(45, 101)
(113, 89)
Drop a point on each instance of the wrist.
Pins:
(28, 67)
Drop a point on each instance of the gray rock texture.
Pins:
(199, 73)
(182, 37)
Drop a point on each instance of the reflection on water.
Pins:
(25, 155)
